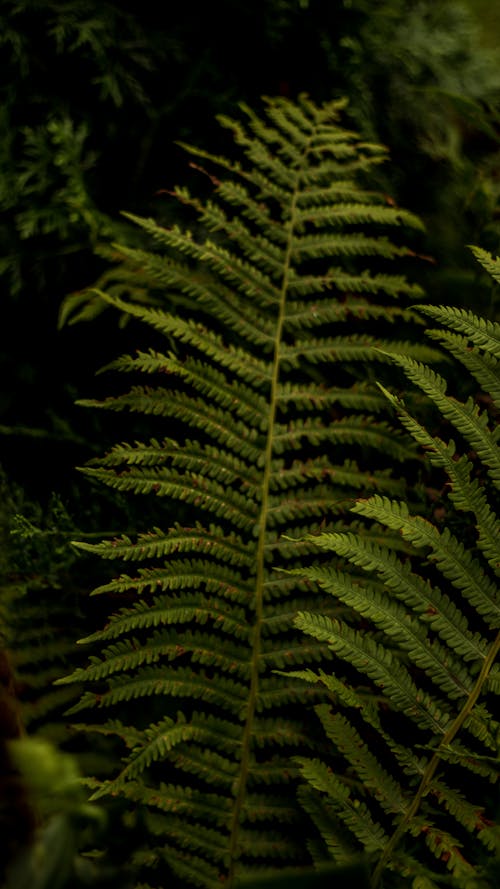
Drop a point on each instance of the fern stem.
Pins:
(433, 763)
(260, 567)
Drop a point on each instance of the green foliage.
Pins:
(421, 80)
(427, 55)
(68, 71)
(50, 193)
(89, 83)
(48, 149)
(413, 719)
(281, 283)
(40, 617)
(66, 823)
(43, 610)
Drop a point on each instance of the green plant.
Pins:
(420, 80)
(413, 717)
(55, 856)
(260, 393)
(40, 608)
(43, 611)
(62, 60)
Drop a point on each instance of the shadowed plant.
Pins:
(265, 320)
(413, 715)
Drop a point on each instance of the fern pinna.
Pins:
(251, 442)
(414, 722)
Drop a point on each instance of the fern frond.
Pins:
(426, 641)
(285, 270)
(192, 574)
(355, 213)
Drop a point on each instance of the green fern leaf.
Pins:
(487, 261)
(483, 333)
(355, 815)
(450, 555)
(483, 367)
(472, 423)
(422, 633)
(284, 271)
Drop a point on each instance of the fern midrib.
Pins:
(433, 763)
(260, 566)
